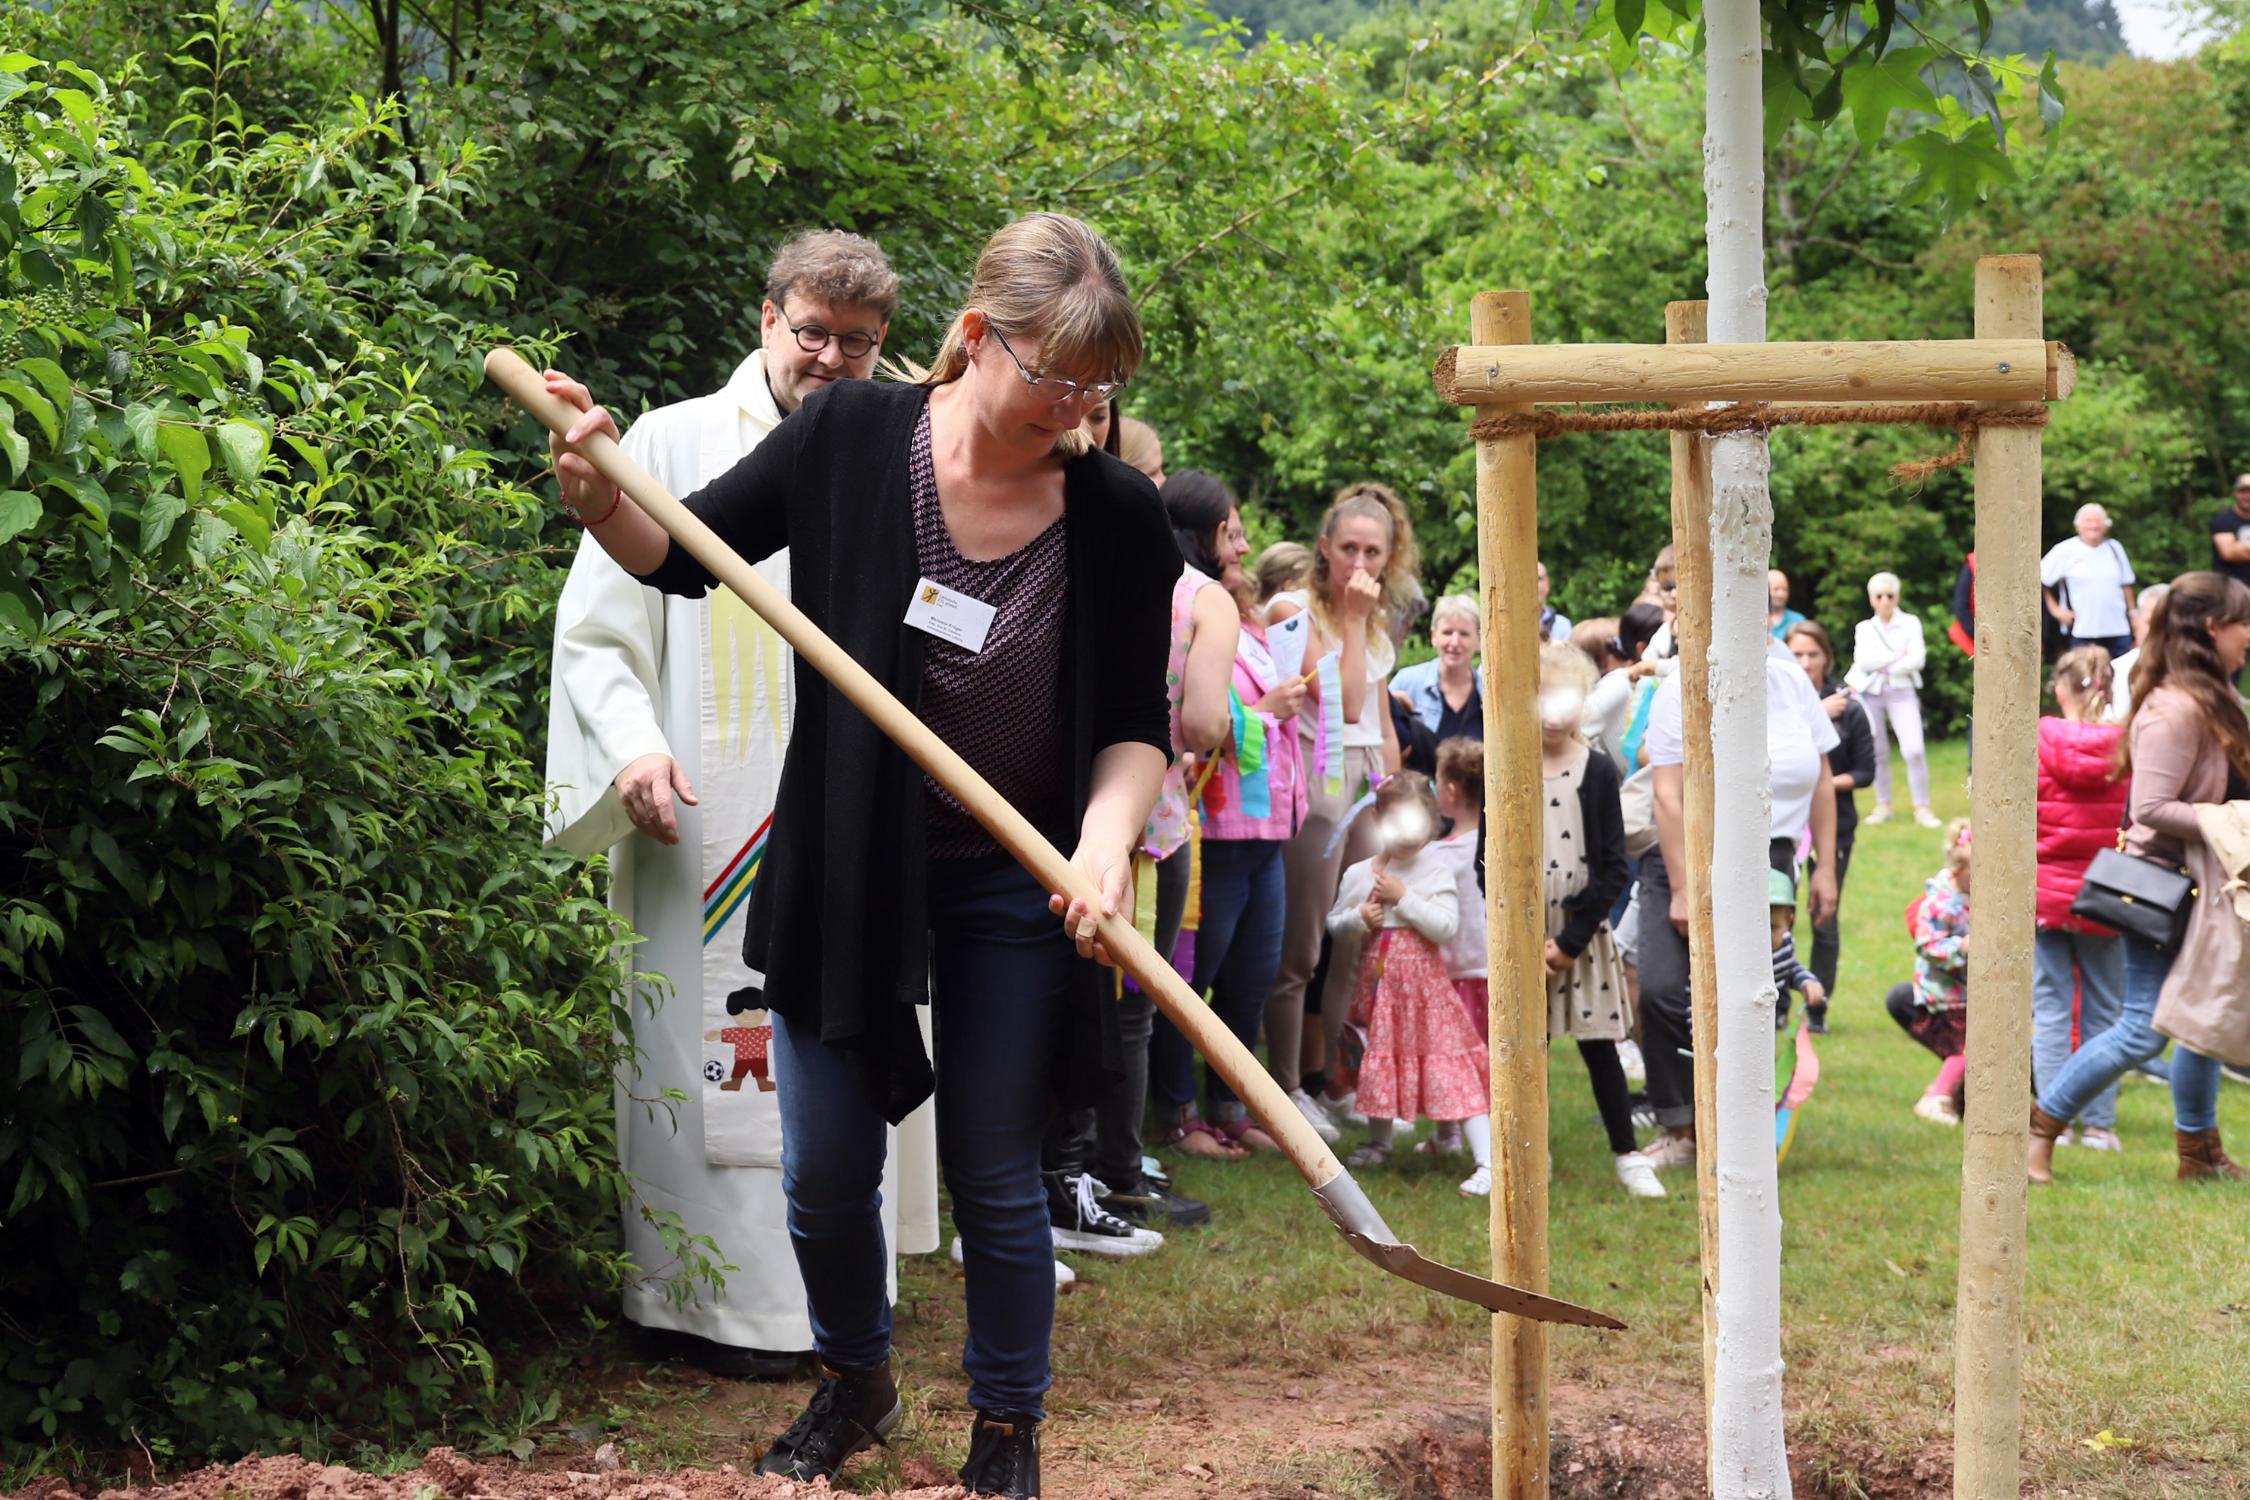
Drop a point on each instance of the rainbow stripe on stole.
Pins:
(725, 895)
(1251, 770)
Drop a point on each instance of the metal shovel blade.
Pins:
(1364, 1230)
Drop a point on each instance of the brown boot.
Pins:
(2039, 1153)
(2201, 1157)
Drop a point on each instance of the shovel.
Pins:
(1363, 1228)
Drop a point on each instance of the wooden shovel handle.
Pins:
(1049, 865)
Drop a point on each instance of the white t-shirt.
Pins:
(2096, 578)
(1798, 734)
(1381, 655)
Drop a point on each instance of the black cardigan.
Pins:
(837, 921)
(1602, 815)
(1854, 757)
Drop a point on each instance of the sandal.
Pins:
(1248, 1133)
(1369, 1155)
(1193, 1137)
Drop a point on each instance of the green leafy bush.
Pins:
(309, 1041)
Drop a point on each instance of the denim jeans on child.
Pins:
(1000, 969)
(1237, 953)
(2088, 968)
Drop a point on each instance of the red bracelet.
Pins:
(616, 498)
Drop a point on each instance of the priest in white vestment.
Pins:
(665, 740)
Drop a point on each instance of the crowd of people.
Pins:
(1235, 755)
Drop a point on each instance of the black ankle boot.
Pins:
(849, 1410)
(1816, 1018)
(1003, 1458)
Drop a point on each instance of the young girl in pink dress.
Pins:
(1423, 1058)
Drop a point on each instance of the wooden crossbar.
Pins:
(1918, 370)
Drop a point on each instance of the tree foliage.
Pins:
(307, 1100)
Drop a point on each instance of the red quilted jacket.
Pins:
(2079, 810)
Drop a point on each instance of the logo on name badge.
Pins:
(929, 593)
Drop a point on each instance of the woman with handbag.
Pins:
(2187, 955)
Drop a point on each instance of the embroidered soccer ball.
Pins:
(713, 1069)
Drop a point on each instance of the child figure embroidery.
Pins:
(751, 1044)
(1423, 1058)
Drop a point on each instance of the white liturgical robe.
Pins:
(708, 683)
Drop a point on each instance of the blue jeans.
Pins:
(2102, 1060)
(1237, 953)
(2089, 967)
(1000, 968)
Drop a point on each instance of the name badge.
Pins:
(951, 616)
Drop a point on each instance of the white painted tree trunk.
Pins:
(1748, 1458)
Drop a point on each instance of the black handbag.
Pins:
(2137, 897)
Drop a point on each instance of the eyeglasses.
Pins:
(1055, 389)
(812, 338)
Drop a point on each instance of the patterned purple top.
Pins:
(999, 708)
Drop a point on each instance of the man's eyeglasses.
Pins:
(1055, 389)
(812, 338)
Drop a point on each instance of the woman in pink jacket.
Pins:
(2078, 969)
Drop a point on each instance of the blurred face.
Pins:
(1885, 600)
(1560, 708)
(2232, 642)
(1232, 547)
(1098, 421)
(1777, 589)
(1456, 640)
(1543, 583)
(1784, 918)
(2242, 494)
(2092, 524)
(794, 372)
(1359, 544)
(1810, 657)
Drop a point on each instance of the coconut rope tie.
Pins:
(1965, 418)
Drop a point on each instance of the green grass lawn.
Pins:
(2138, 1305)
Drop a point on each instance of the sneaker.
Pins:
(850, 1410)
(1881, 814)
(1927, 819)
(1938, 1108)
(1341, 1111)
(1149, 1203)
(2069, 1137)
(1637, 1175)
(1064, 1275)
(1315, 1116)
(2095, 1138)
(1669, 1152)
(1635, 1066)
(1644, 1117)
(1477, 1184)
(1074, 1208)
(1369, 1155)
(1003, 1458)
(1816, 1019)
